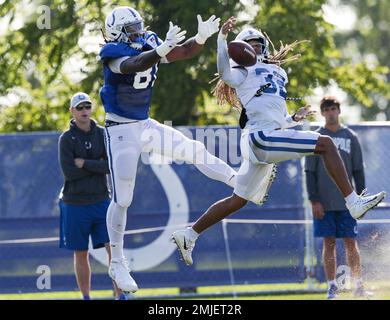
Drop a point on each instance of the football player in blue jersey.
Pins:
(131, 58)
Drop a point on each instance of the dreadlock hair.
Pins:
(228, 95)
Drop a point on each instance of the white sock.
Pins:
(192, 234)
(116, 224)
(332, 282)
(351, 198)
(358, 283)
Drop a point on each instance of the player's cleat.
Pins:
(271, 180)
(364, 203)
(184, 244)
(333, 292)
(120, 273)
(361, 292)
(125, 296)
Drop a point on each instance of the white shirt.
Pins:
(267, 111)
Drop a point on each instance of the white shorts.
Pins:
(260, 151)
(275, 146)
(254, 181)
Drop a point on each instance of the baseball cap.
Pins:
(78, 98)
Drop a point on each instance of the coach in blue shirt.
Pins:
(84, 198)
(331, 218)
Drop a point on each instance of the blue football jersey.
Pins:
(128, 95)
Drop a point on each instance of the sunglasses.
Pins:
(86, 107)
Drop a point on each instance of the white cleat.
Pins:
(185, 245)
(364, 203)
(120, 273)
(361, 292)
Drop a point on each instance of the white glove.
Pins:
(173, 37)
(206, 28)
(303, 113)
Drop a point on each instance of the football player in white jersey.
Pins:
(265, 140)
(131, 57)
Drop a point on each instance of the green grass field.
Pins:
(249, 292)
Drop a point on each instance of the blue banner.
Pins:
(165, 197)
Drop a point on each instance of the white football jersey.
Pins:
(269, 110)
(259, 75)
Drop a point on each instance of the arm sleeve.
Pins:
(232, 76)
(311, 178)
(115, 64)
(289, 122)
(97, 166)
(68, 167)
(357, 165)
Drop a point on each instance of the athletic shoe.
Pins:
(184, 244)
(125, 296)
(361, 292)
(119, 272)
(271, 179)
(333, 292)
(364, 203)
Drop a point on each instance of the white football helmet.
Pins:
(253, 34)
(125, 24)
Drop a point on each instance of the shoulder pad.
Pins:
(152, 39)
(113, 50)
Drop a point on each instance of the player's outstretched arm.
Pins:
(303, 113)
(232, 77)
(298, 116)
(194, 45)
(147, 59)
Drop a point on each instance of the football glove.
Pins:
(206, 28)
(173, 37)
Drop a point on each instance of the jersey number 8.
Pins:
(143, 79)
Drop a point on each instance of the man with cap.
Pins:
(84, 198)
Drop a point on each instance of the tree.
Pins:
(36, 64)
(321, 61)
(369, 40)
(33, 67)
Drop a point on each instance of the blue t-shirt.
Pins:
(128, 95)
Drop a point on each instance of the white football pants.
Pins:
(124, 145)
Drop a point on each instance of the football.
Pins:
(242, 53)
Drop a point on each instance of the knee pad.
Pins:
(125, 171)
(118, 208)
(126, 165)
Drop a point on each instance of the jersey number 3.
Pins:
(277, 86)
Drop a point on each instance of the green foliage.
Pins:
(178, 92)
(370, 40)
(40, 69)
(322, 61)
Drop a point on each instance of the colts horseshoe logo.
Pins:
(161, 248)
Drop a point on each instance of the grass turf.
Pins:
(259, 292)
